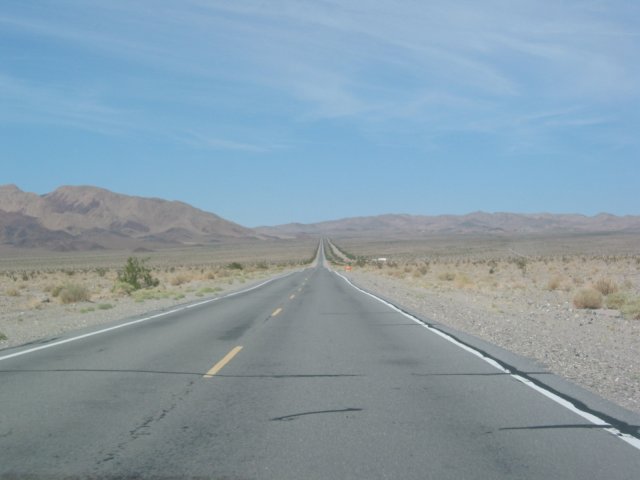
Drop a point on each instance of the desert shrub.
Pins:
(55, 290)
(463, 281)
(616, 300)
(588, 298)
(632, 309)
(13, 292)
(180, 279)
(447, 276)
(101, 271)
(554, 283)
(605, 286)
(73, 293)
(235, 266)
(3, 337)
(105, 306)
(137, 274)
(521, 263)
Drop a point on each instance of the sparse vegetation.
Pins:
(555, 283)
(137, 275)
(235, 266)
(631, 309)
(447, 276)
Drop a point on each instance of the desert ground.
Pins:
(571, 302)
(43, 294)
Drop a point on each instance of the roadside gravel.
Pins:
(22, 326)
(597, 349)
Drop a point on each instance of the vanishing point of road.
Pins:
(302, 377)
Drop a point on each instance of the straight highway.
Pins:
(303, 377)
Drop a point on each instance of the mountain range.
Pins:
(473, 223)
(85, 218)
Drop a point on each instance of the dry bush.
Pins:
(180, 279)
(73, 293)
(588, 298)
(463, 281)
(447, 276)
(554, 283)
(13, 292)
(605, 286)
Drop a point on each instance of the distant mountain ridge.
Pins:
(472, 223)
(85, 217)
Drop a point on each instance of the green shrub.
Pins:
(235, 266)
(617, 300)
(3, 337)
(632, 309)
(105, 306)
(137, 274)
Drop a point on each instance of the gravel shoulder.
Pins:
(596, 349)
(21, 323)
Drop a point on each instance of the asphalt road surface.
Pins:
(304, 377)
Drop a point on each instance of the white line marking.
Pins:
(145, 319)
(630, 439)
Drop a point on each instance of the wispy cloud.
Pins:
(29, 102)
(202, 140)
(448, 66)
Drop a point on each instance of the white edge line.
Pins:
(140, 320)
(630, 439)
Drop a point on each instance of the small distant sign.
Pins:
(382, 259)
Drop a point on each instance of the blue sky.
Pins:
(282, 111)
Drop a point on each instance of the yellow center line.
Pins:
(292, 296)
(227, 358)
(276, 312)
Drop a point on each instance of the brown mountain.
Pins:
(473, 223)
(72, 218)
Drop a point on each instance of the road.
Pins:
(304, 377)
